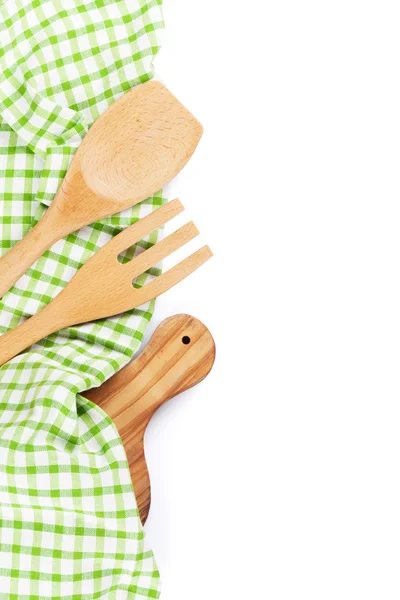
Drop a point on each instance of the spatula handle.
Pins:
(179, 355)
(45, 322)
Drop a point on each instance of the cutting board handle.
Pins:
(179, 355)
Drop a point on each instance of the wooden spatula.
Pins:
(180, 354)
(137, 146)
(104, 287)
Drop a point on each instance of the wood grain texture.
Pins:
(136, 147)
(180, 354)
(103, 287)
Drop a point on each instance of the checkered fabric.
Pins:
(69, 524)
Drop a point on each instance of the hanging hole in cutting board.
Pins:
(186, 340)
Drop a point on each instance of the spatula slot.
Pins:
(141, 280)
(133, 251)
(127, 255)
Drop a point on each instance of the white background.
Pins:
(278, 477)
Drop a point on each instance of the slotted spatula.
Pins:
(103, 287)
(179, 355)
(136, 147)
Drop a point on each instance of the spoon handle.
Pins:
(21, 256)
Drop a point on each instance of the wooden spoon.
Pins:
(180, 354)
(137, 146)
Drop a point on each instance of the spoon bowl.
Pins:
(135, 148)
(138, 145)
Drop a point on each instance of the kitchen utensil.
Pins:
(104, 287)
(137, 146)
(179, 355)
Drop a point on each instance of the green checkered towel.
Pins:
(69, 524)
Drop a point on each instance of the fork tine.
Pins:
(173, 276)
(162, 249)
(142, 228)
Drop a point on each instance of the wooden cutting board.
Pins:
(179, 355)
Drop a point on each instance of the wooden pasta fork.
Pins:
(103, 287)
